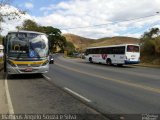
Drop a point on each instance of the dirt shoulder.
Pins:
(147, 65)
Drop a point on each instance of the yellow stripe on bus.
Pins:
(28, 62)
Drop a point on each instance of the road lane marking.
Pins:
(112, 79)
(155, 77)
(47, 77)
(9, 101)
(84, 98)
(69, 90)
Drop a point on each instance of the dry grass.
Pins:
(82, 43)
(115, 41)
(78, 41)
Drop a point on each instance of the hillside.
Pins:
(115, 41)
(78, 41)
(81, 42)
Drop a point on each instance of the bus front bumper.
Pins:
(15, 70)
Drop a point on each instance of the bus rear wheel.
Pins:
(90, 60)
(109, 62)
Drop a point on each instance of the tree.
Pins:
(70, 48)
(55, 38)
(29, 25)
(54, 34)
(150, 44)
(154, 32)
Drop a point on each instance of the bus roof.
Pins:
(25, 31)
(111, 46)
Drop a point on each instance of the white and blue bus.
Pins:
(114, 54)
(26, 52)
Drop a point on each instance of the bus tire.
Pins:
(90, 60)
(109, 62)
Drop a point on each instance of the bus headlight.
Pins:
(11, 63)
(45, 63)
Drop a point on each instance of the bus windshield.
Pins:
(27, 45)
(132, 48)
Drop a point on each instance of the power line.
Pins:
(120, 21)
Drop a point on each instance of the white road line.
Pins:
(10, 106)
(69, 90)
(47, 77)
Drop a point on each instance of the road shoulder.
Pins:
(3, 101)
(147, 65)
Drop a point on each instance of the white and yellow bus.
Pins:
(114, 54)
(26, 52)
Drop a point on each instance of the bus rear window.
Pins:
(132, 48)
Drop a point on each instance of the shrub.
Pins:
(148, 48)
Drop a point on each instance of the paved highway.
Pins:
(108, 89)
(112, 89)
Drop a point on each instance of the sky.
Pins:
(90, 18)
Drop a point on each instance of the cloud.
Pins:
(79, 13)
(29, 5)
(109, 13)
(10, 25)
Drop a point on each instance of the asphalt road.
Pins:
(128, 89)
(41, 99)
(108, 89)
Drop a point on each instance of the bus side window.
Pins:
(87, 52)
(102, 50)
(93, 51)
(98, 51)
(109, 50)
(90, 51)
(122, 50)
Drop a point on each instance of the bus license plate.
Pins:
(28, 70)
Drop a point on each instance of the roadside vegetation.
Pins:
(57, 42)
(150, 46)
